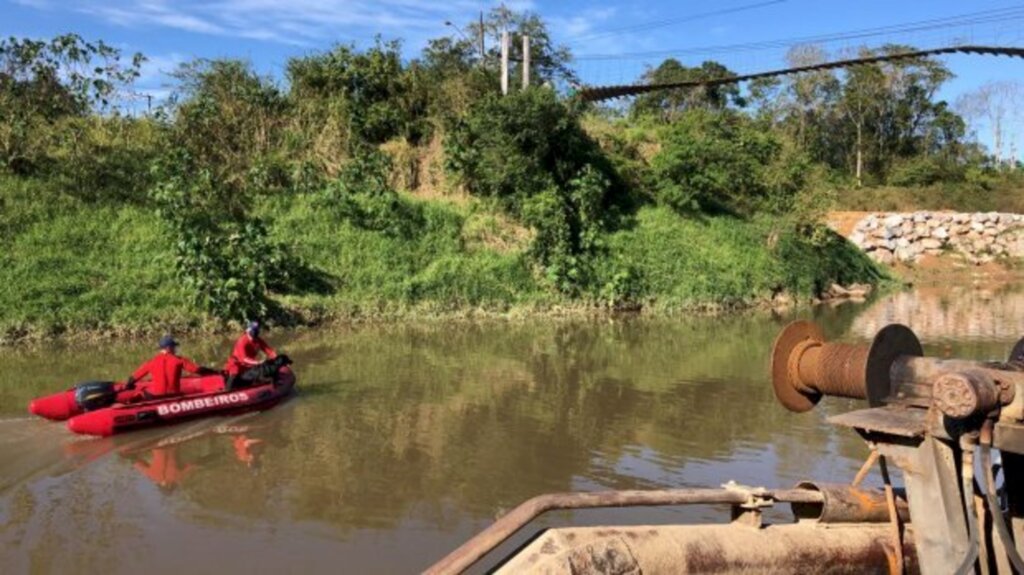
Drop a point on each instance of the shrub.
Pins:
(925, 171)
(528, 153)
(226, 261)
(228, 123)
(725, 162)
(363, 196)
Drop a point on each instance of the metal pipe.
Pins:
(484, 542)
(843, 503)
(896, 531)
(967, 489)
(793, 549)
(998, 519)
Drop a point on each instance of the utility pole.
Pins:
(526, 62)
(483, 52)
(504, 62)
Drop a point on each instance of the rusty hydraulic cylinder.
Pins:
(482, 543)
(842, 503)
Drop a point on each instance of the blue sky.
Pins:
(268, 32)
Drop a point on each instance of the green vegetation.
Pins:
(367, 185)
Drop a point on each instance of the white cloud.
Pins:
(150, 12)
(582, 23)
(38, 4)
(156, 68)
(300, 22)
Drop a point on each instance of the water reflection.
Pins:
(168, 462)
(951, 313)
(404, 440)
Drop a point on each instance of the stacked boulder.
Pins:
(979, 237)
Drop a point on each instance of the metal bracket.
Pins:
(749, 512)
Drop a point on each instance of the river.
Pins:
(403, 441)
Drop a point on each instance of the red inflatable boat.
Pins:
(200, 397)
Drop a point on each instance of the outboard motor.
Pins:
(93, 395)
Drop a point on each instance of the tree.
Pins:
(549, 61)
(911, 85)
(449, 56)
(668, 104)
(722, 161)
(862, 93)
(811, 99)
(528, 153)
(44, 81)
(228, 121)
(994, 103)
(890, 106)
(363, 86)
(945, 132)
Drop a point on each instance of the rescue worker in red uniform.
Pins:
(245, 356)
(165, 370)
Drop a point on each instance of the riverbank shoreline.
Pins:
(928, 275)
(305, 320)
(928, 271)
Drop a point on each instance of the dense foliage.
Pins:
(528, 153)
(723, 161)
(366, 183)
(50, 92)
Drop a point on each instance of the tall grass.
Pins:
(69, 266)
(365, 270)
(727, 261)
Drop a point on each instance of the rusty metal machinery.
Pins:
(939, 421)
(839, 525)
(933, 418)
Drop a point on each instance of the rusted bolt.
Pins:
(1007, 391)
(959, 395)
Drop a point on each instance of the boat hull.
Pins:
(62, 406)
(120, 418)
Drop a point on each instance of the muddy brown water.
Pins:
(405, 440)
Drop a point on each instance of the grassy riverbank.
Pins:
(71, 268)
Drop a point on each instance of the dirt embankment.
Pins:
(932, 266)
(843, 223)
